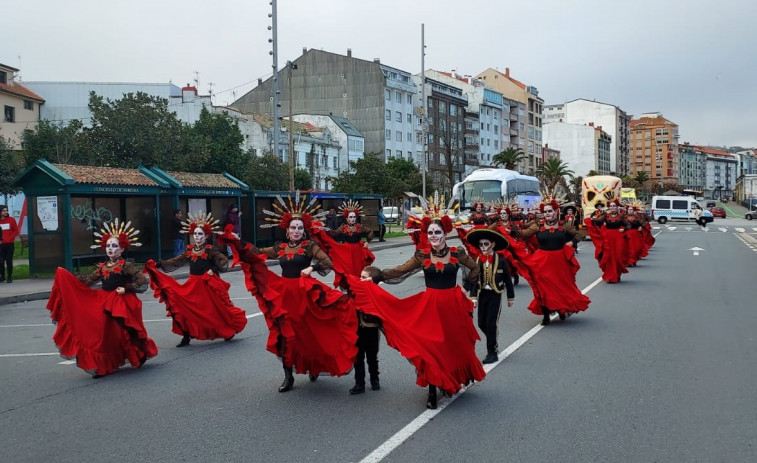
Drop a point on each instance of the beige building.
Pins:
(21, 107)
(654, 147)
(530, 131)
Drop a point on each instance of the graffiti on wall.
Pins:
(89, 216)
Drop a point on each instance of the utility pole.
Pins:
(424, 140)
(291, 66)
(274, 53)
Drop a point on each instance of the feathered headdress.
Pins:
(350, 206)
(478, 201)
(126, 234)
(433, 209)
(299, 208)
(552, 201)
(499, 205)
(200, 219)
(634, 204)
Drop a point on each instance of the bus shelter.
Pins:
(195, 193)
(66, 204)
(256, 201)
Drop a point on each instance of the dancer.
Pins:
(434, 328)
(367, 342)
(312, 328)
(553, 266)
(493, 280)
(103, 328)
(200, 307)
(345, 246)
(612, 252)
(635, 236)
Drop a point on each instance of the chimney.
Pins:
(507, 72)
(260, 81)
(591, 124)
(599, 127)
(304, 50)
(377, 60)
(349, 52)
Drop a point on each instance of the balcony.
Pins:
(514, 132)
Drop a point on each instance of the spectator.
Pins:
(332, 220)
(8, 234)
(381, 223)
(178, 237)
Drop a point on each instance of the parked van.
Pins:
(666, 208)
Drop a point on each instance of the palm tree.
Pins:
(553, 173)
(592, 173)
(642, 178)
(509, 158)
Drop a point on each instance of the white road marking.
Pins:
(67, 362)
(43, 354)
(724, 229)
(411, 428)
(740, 230)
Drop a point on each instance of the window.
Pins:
(409, 137)
(388, 153)
(483, 126)
(430, 103)
(388, 134)
(387, 95)
(398, 136)
(398, 97)
(409, 118)
(399, 153)
(496, 144)
(430, 138)
(409, 99)
(398, 116)
(28, 105)
(443, 107)
(10, 114)
(334, 162)
(496, 130)
(3, 77)
(452, 110)
(388, 115)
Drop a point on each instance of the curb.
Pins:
(42, 295)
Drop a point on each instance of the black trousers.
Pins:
(367, 348)
(6, 260)
(382, 231)
(489, 307)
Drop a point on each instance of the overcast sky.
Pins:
(694, 61)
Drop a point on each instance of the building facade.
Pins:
(21, 107)
(654, 147)
(343, 132)
(583, 148)
(378, 99)
(529, 125)
(612, 119)
(692, 172)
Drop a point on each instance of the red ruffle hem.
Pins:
(347, 258)
(101, 329)
(612, 256)
(432, 329)
(200, 306)
(552, 278)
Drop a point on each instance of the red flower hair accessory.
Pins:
(299, 208)
(199, 219)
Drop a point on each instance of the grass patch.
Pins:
(20, 252)
(394, 234)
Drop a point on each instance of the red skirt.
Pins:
(312, 327)
(612, 255)
(649, 240)
(595, 233)
(347, 258)
(102, 329)
(636, 245)
(432, 329)
(200, 306)
(552, 278)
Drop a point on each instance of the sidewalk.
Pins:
(35, 289)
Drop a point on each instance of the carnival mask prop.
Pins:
(599, 189)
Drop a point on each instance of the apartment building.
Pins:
(654, 147)
(21, 107)
(529, 126)
(611, 118)
(378, 99)
(583, 147)
(692, 167)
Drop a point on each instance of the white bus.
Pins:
(492, 184)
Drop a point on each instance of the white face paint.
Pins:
(199, 236)
(485, 246)
(351, 218)
(112, 249)
(549, 214)
(296, 230)
(503, 216)
(435, 235)
(613, 207)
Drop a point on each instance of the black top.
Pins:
(176, 229)
(200, 261)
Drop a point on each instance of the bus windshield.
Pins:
(488, 190)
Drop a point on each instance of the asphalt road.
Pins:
(660, 368)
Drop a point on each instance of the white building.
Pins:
(582, 147)
(344, 132)
(613, 120)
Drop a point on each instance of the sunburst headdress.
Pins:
(351, 206)
(634, 204)
(126, 234)
(553, 201)
(433, 208)
(299, 208)
(477, 201)
(499, 205)
(207, 222)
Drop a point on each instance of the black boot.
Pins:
(375, 384)
(546, 320)
(184, 341)
(288, 380)
(562, 316)
(358, 388)
(431, 402)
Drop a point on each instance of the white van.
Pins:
(666, 208)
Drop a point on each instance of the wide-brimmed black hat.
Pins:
(478, 234)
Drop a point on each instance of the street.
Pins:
(661, 367)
